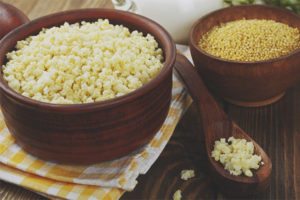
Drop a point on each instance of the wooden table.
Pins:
(275, 127)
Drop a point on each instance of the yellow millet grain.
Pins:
(250, 40)
(82, 63)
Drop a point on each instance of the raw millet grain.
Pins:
(250, 40)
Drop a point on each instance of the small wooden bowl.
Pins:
(246, 83)
(91, 132)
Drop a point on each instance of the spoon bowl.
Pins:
(216, 125)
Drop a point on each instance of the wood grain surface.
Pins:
(275, 127)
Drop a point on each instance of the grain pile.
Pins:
(237, 156)
(250, 40)
(82, 63)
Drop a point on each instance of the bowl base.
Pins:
(256, 103)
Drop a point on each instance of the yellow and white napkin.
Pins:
(106, 180)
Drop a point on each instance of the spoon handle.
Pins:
(208, 108)
(216, 124)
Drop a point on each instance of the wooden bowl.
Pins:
(246, 83)
(11, 17)
(91, 132)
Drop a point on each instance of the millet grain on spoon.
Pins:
(216, 124)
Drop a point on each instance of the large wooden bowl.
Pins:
(91, 132)
(246, 83)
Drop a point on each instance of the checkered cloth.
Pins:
(106, 180)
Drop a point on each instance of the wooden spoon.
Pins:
(216, 124)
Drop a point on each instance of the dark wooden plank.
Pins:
(186, 150)
(13, 192)
(163, 179)
(273, 127)
(296, 142)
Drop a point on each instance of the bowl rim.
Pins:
(166, 42)
(194, 43)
